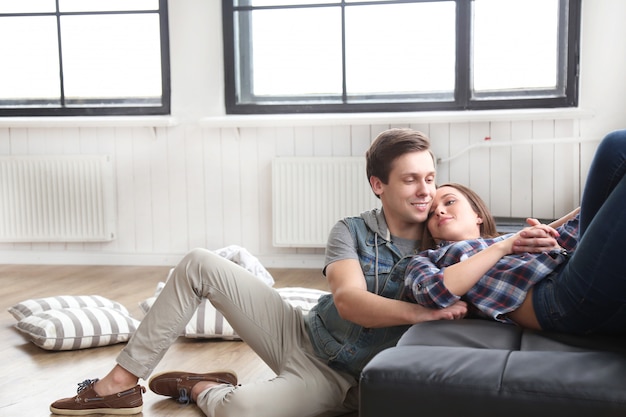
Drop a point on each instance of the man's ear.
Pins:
(377, 185)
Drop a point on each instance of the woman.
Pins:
(579, 287)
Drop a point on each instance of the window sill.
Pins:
(336, 119)
(81, 121)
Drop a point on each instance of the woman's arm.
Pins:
(461, 277)
(564, 219)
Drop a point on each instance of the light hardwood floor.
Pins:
(32, 378)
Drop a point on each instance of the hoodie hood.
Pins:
(375, 220)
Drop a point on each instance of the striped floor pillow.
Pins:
(37, 305)
(77, 328)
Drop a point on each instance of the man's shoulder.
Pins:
(370, 218)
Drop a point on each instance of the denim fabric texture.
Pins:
(589, 294)
(347, 346)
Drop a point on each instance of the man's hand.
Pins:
(536, 238)
(456, 311)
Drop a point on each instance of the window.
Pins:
(291, 56)
(84, 57)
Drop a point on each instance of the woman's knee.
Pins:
(614, 140)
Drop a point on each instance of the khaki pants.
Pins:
(304, 385)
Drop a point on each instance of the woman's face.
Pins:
(452, 218)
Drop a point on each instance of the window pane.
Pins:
(111, 56)
(100, 5)
(27, 6)
(30, 59)
(292, 56)
(515, 44)
(263, 3)
(400, 48)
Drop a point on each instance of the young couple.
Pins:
(577, 287)
(317, 357)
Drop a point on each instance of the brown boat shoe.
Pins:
(178, 385)
(87, 401)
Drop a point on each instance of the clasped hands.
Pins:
(536, 238)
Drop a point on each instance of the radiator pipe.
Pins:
(488, 143)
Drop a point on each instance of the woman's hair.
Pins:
(487, 227)
(389, 145)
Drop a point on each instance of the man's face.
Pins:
(409, 193)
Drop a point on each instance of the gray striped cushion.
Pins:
(208, 323)
(34, 306)
(305, 298)
(77, 328)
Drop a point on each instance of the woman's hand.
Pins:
(535, 239)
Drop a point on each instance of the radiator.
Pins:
(309, 195)
(56, 199)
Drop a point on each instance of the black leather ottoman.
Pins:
(481, 368)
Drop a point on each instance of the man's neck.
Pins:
(410, 231)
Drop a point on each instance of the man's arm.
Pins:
(366, 309)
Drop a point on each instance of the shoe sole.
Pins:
(113, 411)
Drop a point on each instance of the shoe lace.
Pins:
(85, 384)
(183, 397)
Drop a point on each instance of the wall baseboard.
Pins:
(308, 261)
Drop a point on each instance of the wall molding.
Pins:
(306, 261)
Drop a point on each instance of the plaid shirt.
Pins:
(502, 289)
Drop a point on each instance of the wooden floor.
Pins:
(32, 378)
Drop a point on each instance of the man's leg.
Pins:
(273, 329)
(254, 309)
(306, 387)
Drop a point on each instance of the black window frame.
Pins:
(30, 108)
(569, 51)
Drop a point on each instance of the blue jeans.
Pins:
(588, 295)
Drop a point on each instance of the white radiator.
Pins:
(56, 199)
(309, 195)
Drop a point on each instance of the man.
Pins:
(318, 357)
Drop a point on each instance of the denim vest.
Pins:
(344, 345)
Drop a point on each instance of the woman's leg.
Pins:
(606, 170)
(589, 294)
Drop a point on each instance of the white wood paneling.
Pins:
(521, 170)
(500, 168)
(179, 187)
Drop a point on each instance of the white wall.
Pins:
(205, 181)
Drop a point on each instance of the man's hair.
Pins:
(389, 145)
(488, 227)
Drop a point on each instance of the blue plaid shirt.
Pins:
(501, 290)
